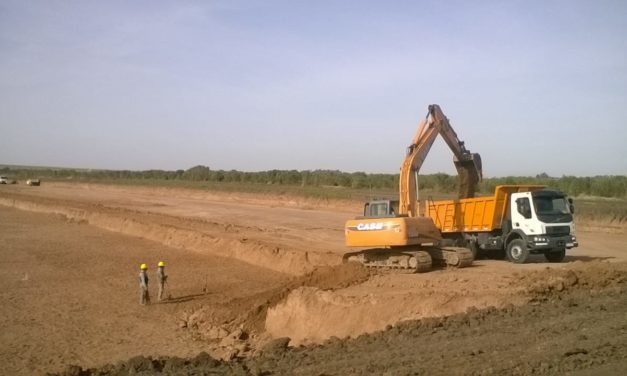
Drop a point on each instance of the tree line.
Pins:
(602, 186)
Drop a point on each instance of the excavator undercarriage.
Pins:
(412, 259)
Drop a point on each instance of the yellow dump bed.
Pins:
(480, 214)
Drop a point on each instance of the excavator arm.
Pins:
(468, 164)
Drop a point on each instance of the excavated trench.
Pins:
(191, 234)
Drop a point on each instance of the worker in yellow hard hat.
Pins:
(144, 297)
(161, 279)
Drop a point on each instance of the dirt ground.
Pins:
(579, 329)
(245, 269)
(70, 293)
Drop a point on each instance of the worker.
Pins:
(144, 297)
(161, 278)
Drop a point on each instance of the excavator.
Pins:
(396, 234)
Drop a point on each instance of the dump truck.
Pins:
(395, 234)
(518, 220)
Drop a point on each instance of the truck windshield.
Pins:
(552, 208)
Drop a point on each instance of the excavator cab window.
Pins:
(379, 209)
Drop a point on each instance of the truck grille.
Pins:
(557, 230)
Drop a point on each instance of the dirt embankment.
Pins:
(238, 327)
(601, 223)
(553, 335)
(226, 240)
(311, 315)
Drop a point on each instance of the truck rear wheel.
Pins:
(555, 255)
(517, 251)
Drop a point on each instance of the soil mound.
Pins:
(590, 276)
(334, 277)
(310, 315)
(236, 328)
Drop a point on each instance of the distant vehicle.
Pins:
(33, 182)
(5, 180)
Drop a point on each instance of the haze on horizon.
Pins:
(533, 86)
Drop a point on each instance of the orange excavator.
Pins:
(396, 234)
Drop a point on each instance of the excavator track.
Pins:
(451, 256)
(398, 262)
(412, 261)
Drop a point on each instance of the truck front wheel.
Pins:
(555, 255)
(517, 251)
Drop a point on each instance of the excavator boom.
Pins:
(468, 164)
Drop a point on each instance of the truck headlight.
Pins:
(540, 239)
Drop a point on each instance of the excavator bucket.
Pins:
(470, 174)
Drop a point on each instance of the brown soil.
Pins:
(249, 312)
(244, 270)
(554, 335)
(70, 294)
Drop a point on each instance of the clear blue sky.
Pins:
(533, 86)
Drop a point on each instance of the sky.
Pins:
(533, 86)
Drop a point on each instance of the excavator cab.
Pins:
(381, 209)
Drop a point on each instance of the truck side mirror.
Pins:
(571, 206)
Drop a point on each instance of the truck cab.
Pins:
(541, 221)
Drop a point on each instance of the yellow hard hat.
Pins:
(143, 266)
(161, 263)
